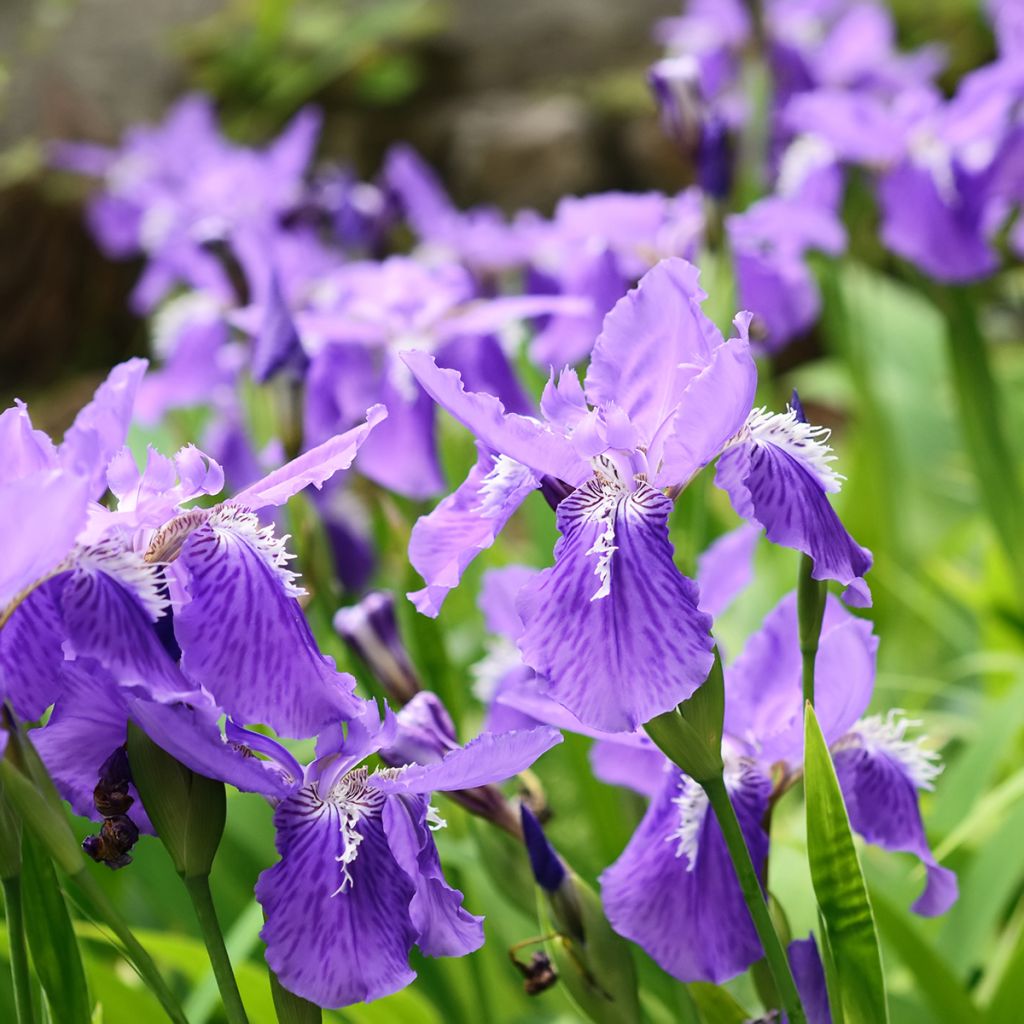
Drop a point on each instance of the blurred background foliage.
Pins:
(485, 88)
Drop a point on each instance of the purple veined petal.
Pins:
(188, 729)
(89, 721)
(110, 602)
(809, 975)
(443, 926)
(425, 732)
(243, 635)
(40, 517)
(778, 474)
(343, 380)
(522, 438)
(401, 453)
(100, 429)
(945, 236)
(262, 744)
(674, 891)
(713, 406)
(613, 627)
(25, 449)
(636, 764)
(483, 365)
(654, 340)
(342, 746)
(32, 662)
(528, 696)
(764, 702)
(880, 773)
(337, 904)
(489, 758)
(726, 568)
(498, 591)
(444, 542)
(313, 467)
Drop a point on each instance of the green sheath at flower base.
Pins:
(187, 810)
(810, 604)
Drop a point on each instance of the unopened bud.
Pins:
(112, 846)
(370, 628)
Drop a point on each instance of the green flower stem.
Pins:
(775, 955)
(993, 460)
(20, 975)
(142, 961)
(202, 900)
(810, 603)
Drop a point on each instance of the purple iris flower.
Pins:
(358, 321)
(172, 189)
(613, 627)
(673, 890)
(359, 882)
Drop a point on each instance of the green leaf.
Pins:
(716, 1006)
(839, 887)
(934, 977)
(51, 937)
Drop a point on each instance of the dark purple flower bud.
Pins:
(675, 82)
(547, 866)
(714, 157)
(111, 795)
(555, 491)
(371, 630)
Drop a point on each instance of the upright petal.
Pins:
(444, 542)
(778, 474)
(338, 929)
(880, 773)
(492, 757)
(674, 891)
(726, 568)
(243, 635)
(613, 627)
(314, 467)
(654, 340)
(522, 438)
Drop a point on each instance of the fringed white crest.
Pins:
(887, 735)
(245, 525)
(692, 804)
(505, 477)
(130, 569)
(805, 442)
(353, 800)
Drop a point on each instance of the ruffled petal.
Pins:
(783, 485)
(674, 891)
(443, 926)
(492, 757)
(243, 635)
(499, 589)
(465, 523)
(314, 467)
(522, 438)
(654, 340)
(338, 929)
(880, 774)
(613, 627)
(625, 759)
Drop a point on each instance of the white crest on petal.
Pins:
(245, 524)
(130, 569)
(887, 735)
(692, 805)
(805, 442)
(352, 800)
(504, 477)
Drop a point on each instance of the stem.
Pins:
(810, 604)
(984, 433)
(19, 955)
(778, 963)
(198, 887)
(142, 961)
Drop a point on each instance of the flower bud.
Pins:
(187, 810)
(371, 630)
